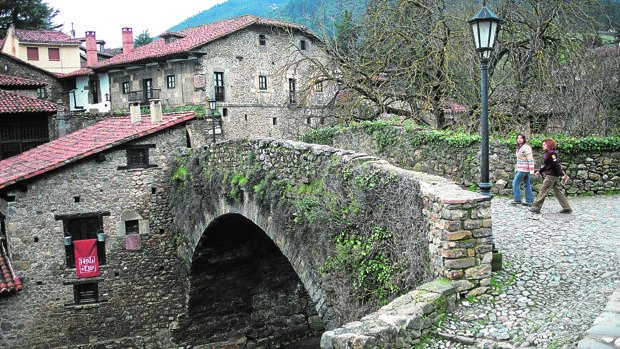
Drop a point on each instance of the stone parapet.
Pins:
(400, 324)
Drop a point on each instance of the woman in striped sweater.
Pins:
(523, 169)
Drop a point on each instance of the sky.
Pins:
(107, 17)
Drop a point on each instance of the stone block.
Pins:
(483, 232)
(470, 224)
(441, 286)
(478, 272)
(457, 235)
(455, 253)
(460, 263)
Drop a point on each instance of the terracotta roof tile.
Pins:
(15, 103)
(9, 282)
(45, 36)
(79, 72)
(80, 144)
(192, 38)
(8, 80)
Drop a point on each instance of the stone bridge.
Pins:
(283, 240)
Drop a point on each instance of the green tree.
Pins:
(26, 14)
(143, 39)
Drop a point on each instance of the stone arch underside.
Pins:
(243, 290)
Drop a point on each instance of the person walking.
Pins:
(552, 169)
(523, 169)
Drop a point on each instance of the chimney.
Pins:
(155, 110)
(134, 112)
(91, 49)
(127, 40)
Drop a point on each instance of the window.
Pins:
(85, 293)
(125, 87)
(41, 92)
(32, 53)
(83, 227)
(302, 44)
(291, 91)
(147, 86)
(224, 112)
(262, 82)
(274, 121)
(318, 87)
(132, 227)
(219, 86)
(53, 54)
(137, 157)
(170, 81)
(262, 40)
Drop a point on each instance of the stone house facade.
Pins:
(105, 182)
(256, 69)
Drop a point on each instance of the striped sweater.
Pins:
(525, 159)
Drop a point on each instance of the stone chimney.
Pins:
(134, 112)
(91, 49)
(127, 40)
(155, 110)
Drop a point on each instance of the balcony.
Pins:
(143, 96)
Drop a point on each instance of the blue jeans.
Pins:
(516, 187)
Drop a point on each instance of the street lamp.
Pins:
(212, 106)
(485, 26)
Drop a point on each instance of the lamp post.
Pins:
(485, 26)
(212, 108)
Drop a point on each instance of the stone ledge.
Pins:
(398, 324)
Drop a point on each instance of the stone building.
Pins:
(24, 121)
(257, 70)
(103, 183)
(52, 87)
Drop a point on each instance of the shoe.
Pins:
(534, 210)
(527, 203)
(515, 202)
(566, 210)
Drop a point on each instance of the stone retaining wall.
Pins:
(401, 324)
(595, 172)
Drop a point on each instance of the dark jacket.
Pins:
(551, 164)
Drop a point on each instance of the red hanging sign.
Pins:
(86, 262)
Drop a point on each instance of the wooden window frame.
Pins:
(32, 53)
(262, 40)
(171, 81)
(55, 56)
(134, 159)
(125, 87)
(262, 82)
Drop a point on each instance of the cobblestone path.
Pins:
(559, 270)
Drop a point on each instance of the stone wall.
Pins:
(141, 291)
(400, 324)
(591, 173)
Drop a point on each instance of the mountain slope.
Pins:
(230, 9)
(318, 15)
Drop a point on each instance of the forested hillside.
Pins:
(318, 15)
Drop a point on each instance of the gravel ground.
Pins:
(558, 271)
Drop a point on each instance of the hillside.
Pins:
(230, 9)
(318, 15)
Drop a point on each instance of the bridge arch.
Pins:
(351, 227)
(243, 289)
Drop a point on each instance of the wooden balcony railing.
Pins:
(143, 96)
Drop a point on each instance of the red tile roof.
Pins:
(193, 38)
(15, 103)
(45, 36)
(79, 72)
(8, 80)
(80, 144)
(9, 282)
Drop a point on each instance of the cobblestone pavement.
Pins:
(559, 270)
